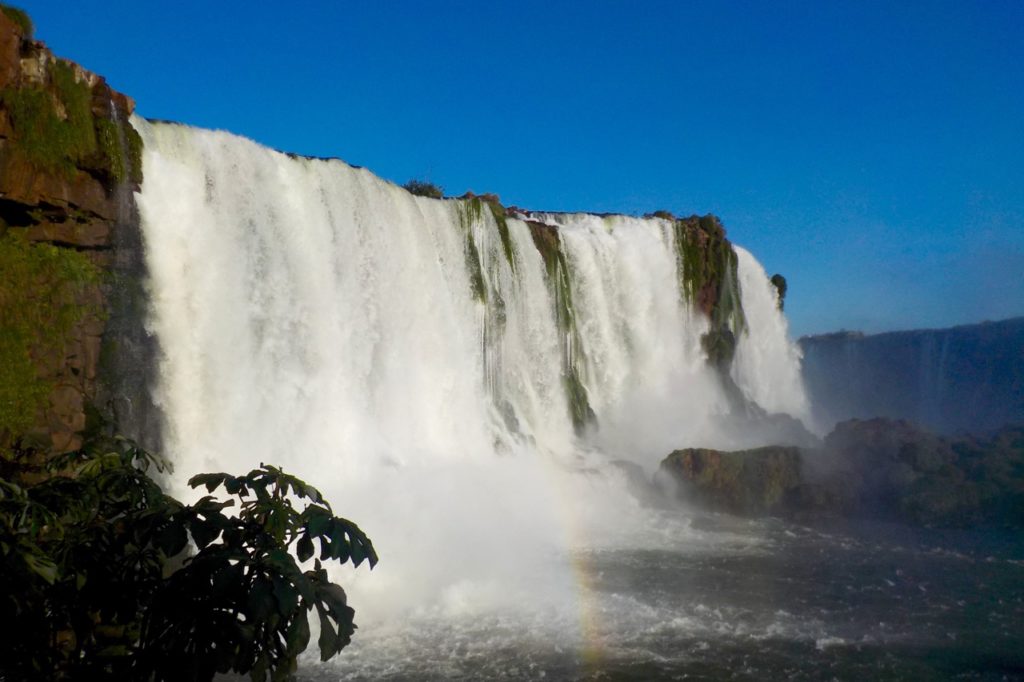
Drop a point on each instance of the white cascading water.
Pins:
(765, 357)
(316, 317)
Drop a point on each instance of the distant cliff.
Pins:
(968, 378)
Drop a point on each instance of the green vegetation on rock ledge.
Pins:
(422, 188)
(19, 17)
(52, 141)
(498, 212)
(707, 270)
(779, 282)
(57, 131)
(470, 212)
(709, 282)
(122, 150)
(40, 286)
(549, 244)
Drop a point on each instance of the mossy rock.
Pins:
(707, 269)
(39, 289)
(21, 18)
(781, 286)
(57, 131)
(549, 245)
(753, 482)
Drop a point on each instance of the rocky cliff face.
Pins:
(751, 482)
(71, 265)
(968, 378)
(877, 468)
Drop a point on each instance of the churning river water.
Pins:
(743, 600)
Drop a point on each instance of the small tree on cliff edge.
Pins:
(85, 551)
(422, 188)
(779, 282)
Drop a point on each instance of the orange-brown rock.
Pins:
(78, 202)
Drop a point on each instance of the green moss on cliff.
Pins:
(76, 97)
(708, 281)
(728, 309)
(706, 262)
(549, 244)
(50, 140)
(779, 282)
(134, 154)
(20, 17)
(121, 151)
(109, 143)
(470, 211)
(707, 268)
(498, 212)
(41, 132)
(39, 289)
(56, 130)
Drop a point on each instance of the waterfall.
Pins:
(965, 378)
(452, 378)
(767, 364)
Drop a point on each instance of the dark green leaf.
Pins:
(298, 634)
(41, 566)
(318, 520)
(261, 601)
(172, 539)
(328, 641)
(334, 597)
(287, 596)
(203, 531)
(304, 548)
(211, 481)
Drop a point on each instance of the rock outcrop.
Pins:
(70, 251)
(749, 482)
(878, 468)
(895, 469)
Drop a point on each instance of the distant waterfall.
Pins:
(968, 378)
(434, 365)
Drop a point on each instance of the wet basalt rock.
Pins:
(879, 468)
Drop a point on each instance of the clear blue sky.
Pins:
(872, 152)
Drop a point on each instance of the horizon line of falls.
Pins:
(454, 383)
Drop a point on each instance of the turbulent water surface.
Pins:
(728, 599)
(422, 363)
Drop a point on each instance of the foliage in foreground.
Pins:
(103, 583)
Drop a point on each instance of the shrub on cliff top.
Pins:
(422, 188)
(20, 17)
(779, 282)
